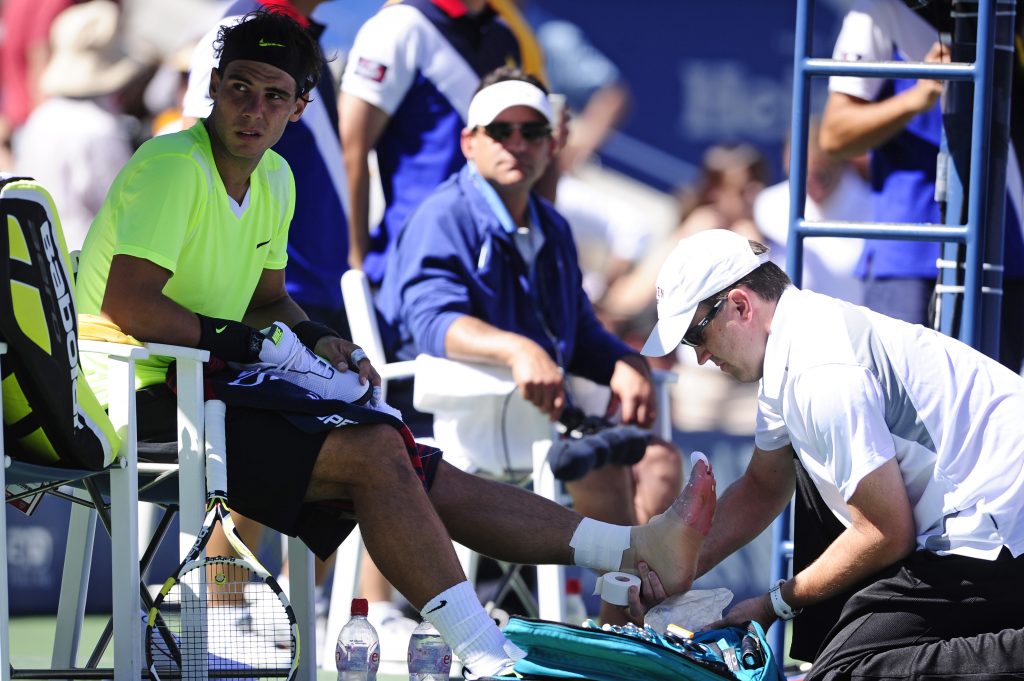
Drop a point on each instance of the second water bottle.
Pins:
(430, 658)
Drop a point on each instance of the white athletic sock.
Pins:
(599, 545)
(473, 636)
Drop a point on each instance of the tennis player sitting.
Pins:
(189, 249)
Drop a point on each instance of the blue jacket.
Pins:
(454, 258)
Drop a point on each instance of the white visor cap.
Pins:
(697, 268)
(494, 99)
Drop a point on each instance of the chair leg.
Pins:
(344, 587)
(74, 583)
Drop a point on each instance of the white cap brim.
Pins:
(667, 334)
(493, 99)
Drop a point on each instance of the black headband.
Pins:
(268, 51)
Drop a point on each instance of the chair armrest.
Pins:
(115, 350)
(389, 372)
(178, 352)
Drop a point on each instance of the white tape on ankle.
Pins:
(599, 545)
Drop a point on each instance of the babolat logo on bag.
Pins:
(50, 415)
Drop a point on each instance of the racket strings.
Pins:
(224, 622)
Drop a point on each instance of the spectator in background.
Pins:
(24, 53)
(900, 123)
(76, 141)
(610, 235)
(405, 93)
(835, 191)
(485, 271)
(406, 89)
(723, 197)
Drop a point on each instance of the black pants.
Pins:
(927, 617)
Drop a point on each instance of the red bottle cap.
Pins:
(360, 606)
(573, 586)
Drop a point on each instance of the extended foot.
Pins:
(670, 543)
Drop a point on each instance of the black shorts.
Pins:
(269, 464)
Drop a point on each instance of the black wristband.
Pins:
(309, 332)
(231, 341)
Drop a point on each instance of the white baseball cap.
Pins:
(494, 99)
(699, 267)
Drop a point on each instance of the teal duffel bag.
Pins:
(562, 651)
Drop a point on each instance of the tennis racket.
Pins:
(220, 617)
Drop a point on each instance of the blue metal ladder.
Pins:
(981, 234)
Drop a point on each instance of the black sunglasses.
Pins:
(695, 335)
(531, 132)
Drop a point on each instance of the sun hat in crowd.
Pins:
(493, 99)
(697, 268)
(88, 58)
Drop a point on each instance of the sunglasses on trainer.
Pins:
(695, 336)
(531, 132)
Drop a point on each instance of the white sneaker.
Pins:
(283, 355)
(394, 630)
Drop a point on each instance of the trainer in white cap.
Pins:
(699, 267)
(493, 99)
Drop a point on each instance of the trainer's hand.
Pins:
(647, 595)
(757, 608)
(338, 352)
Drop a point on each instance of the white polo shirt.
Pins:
(850, 389)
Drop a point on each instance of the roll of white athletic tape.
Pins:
(614, 587)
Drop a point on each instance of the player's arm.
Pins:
(880, 534)
(134, 300)
(538, 377)
(271, 303)
(851, 125)
(361, 126)
(749, 505)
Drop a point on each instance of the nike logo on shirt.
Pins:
(221, 329)
(263, 243)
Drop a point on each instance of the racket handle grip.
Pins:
(216, 446)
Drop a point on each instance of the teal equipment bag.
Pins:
(562, 651)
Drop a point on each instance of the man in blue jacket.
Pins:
(487, 271)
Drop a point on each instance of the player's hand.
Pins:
(927, 91)
(757, 608)
(339, 351)
(539, 378)
(644, 597)
(633, 391)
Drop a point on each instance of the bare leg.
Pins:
(369, 465)
(657, 479)
(373, 585)
(606, 494)
(503, 521)
(250, 531)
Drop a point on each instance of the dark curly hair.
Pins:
(274, 38)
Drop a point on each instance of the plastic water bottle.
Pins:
(358, 651)
(575, 608)
(430, 658)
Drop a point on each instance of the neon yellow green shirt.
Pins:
(168, 205)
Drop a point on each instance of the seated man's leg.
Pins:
(657, 480)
